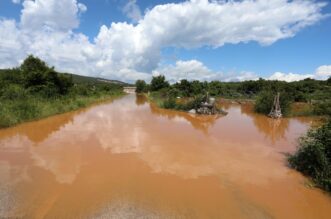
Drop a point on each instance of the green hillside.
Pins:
(92, 80)
(79, 79)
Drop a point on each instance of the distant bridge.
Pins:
(129, 90)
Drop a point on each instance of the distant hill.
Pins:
(92, 80)
(88, 80)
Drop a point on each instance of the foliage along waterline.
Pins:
(313, 157)
(35, 90)
(314, 94)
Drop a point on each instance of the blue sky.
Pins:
(301, 54)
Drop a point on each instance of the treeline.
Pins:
(35, 90)
(315, 92)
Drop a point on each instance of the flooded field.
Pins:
(130, 159)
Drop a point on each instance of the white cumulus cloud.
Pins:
(324, 71)
(191, 70)
(196, 70)
(289, 77)
(59, 15)
(128, 51)
(11, 48)
(321, 73)
(132, 10)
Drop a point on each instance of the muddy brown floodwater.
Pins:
(130, 159)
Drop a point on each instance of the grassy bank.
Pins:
(34, 91)
(13, 112)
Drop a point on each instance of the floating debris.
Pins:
(208, 107)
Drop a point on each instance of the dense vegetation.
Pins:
(141, 86)
(34, 90)
(315, 93)
(265, 100)
(313, 157)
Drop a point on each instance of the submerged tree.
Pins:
(265, 101)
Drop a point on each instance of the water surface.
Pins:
(130, 159)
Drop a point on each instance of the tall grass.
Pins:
(13, 112)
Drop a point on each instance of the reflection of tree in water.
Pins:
(38, 131)
(274, 129)
(201, 122)
(140, 99)
(247, 109)
(225, 105)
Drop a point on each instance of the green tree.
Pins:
(197, 88)
(64, 83)
(9, 76)
(158, 82)
(141, 86)
(265, 100)
(251, 87)
(33, 64)
(329, 81)
(215, 88)
(35, 78)
(185, 88)
(39, 78)
(34, 71)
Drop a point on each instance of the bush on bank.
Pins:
(34, 91)
(313, 157)
(192, 103)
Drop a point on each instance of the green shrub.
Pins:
(81, 89)
(265, 100)
(170, 103)
(141, 86)
(158, 83)
(63, 82)
(215, 88)
(26, 109)
(11, 76)
(12, 92)
(194, 104)
(173, 93)
(313, 157)
(322, 108)
(36, 78)
(7, 118)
